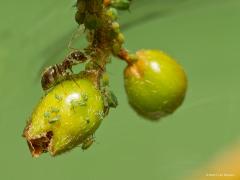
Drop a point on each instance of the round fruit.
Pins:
(155, 84)
(64, 118)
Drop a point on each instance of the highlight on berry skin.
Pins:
(74, 103)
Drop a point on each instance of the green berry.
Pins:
(65, 117)
(120, 38)
(116, 47)
(116, 27)
(155, 84)
(112, 12)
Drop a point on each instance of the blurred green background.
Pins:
(203, 35)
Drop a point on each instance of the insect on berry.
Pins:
(87, 142)
(58, 72)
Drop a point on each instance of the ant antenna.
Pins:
(80, 30)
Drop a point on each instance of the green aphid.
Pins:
(59, 98)
(74, 104)
(54, 110)
(111, 99)
(85, 97)
(121, 4)
(87, 142)
(112, 12)
(82, 103)
(100, 115)
(77, 103)
(46, 115)
(54, 119)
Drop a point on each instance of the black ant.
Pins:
(56, 73)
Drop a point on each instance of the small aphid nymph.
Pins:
(87, 142)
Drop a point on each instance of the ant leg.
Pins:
(72, 78)
(99, 66)
(75, 82)
(70, 69)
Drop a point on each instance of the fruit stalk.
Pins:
(100, 33)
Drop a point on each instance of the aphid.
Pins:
(56, 73)
(59, 98)
(46, 115)
(87, 142)
(100, 115)
(111, 99)
(54, 119)
(54, 110)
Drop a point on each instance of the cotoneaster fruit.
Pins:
(64, 118)
(155, 84)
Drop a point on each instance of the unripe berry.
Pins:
(112, 12)
(155, 84)
(120, 38)
(116, 27)
(64, 118)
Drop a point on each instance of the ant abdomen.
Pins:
(48, 78)
(52, 75)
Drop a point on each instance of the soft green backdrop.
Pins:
(203, 35)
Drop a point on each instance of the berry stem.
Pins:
(125, 56)
(98, 25)
(104, 35)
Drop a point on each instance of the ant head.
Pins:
(78, 56)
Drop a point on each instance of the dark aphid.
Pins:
(87, 142)
(56, 73)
